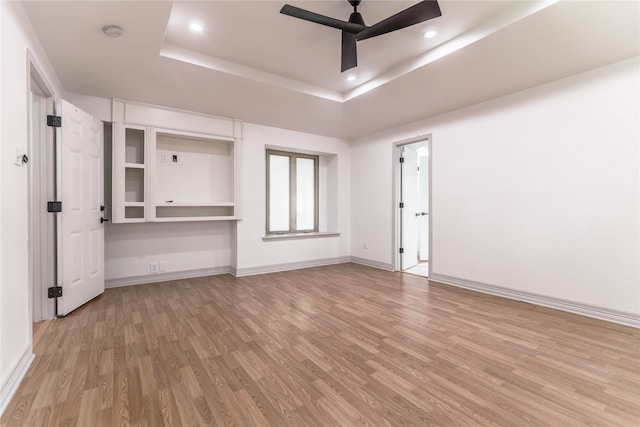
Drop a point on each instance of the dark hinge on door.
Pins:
(54, 206)
(55, 292)
(401, 205)
(54, 121)
(401, 159)
(401, 250)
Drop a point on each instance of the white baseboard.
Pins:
(14, 378)
(602, 313)
(164, 277)
(371, 263)
(186, 274)
(274, 268)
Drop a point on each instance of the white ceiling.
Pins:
(257, 65)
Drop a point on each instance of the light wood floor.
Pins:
(38, 330)
(341, 345)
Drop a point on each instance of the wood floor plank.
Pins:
(342, 345)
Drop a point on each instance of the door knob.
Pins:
(103, 220)
(424, 213)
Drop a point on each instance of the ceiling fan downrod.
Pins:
(355, 17)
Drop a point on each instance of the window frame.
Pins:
(293, 156)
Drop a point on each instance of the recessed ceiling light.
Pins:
(196, 27)
(429, 34)
(112, 31)
(351, 78)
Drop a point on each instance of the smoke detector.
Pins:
(112, 31)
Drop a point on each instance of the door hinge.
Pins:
(54, 121)
(401, 205)
(54, 206)
(55, 292)
(401, 250)
(401, 159)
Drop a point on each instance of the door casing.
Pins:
(40, 189)
(395, 234)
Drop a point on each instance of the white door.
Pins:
(423, 187)
(81, 233)
(409, 194)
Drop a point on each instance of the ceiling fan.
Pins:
(355, 29)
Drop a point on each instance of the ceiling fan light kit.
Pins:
(355, 29)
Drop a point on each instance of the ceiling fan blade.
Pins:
(423, 11)
(296, 12)
(349, 51)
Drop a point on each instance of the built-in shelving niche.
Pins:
(193, 177)
(186, 173)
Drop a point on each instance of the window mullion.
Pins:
(292, 194)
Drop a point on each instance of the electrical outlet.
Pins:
(154, 267)
(366, 244)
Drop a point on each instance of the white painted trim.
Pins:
(251, 271)
(294, 236)
(602, 313)
(371, 263)
(218, 64)
(275, 268)
(38, 282)
(16, 374)
(165, 277)
(173, 119)
(396, 265)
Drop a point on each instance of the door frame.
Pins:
(395, 217)
(38, 222)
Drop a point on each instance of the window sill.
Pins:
(295, 236)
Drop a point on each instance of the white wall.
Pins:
(254, 254)
(15, 311)
(536, 192)
(182, 246)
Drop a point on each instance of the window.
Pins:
(292, 192)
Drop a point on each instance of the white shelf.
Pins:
(195, 204)
(195, 218)
(180, 211)
(134, 204)
(134, 165)
(129, 220)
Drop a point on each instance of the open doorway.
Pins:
(41, 189)
(413, 206)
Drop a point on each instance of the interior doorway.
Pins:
(41, 171)
(413, 206)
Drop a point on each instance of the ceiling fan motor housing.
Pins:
(356, 18)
